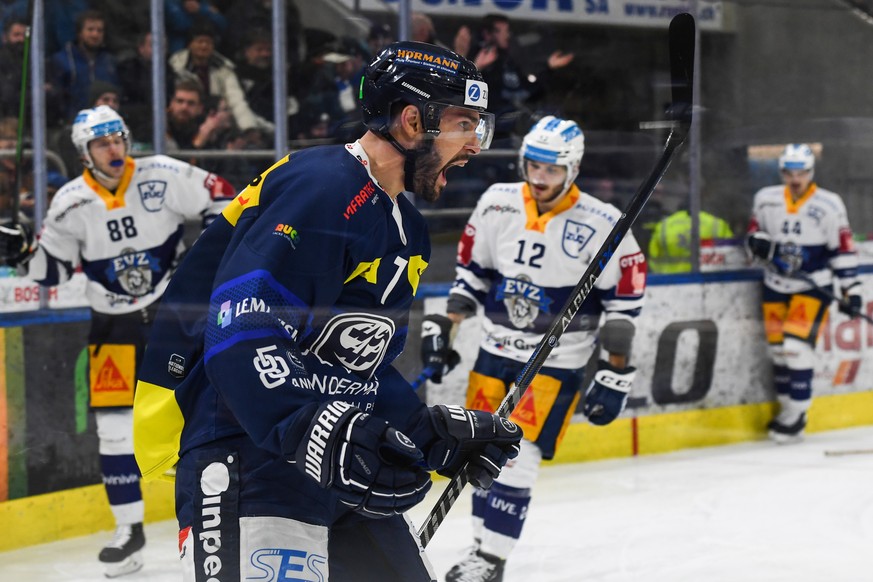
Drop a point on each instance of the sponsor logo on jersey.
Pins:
(358, 341)
(279, 564)
(501, 209)
(217, 526)
(134, 271)
(576, 236)
(336, 386)
(152, 194)
(272, 369)
(633, 275)
(360, 199)
(465, 246)
(225, 314)
(176, 366)
(79, 204)
(523, 299)
(289, 233)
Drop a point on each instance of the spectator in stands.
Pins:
(670, 246)
(60, 19)
(249, 14)
(347, 81)
(79, 64)
(187, 127)
(216, 75)
(11, 59)
(510, 88)
(320, 104)
(380, 36)
(422, 29)
(128, 21)
(255, 72)
(181, 15)
(103, 93)
(135, 76)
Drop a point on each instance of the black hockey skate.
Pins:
(477, 567)
(122, 555)
(786, 434)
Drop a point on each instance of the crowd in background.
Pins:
(219, 73)
(219, 90)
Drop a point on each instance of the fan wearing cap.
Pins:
(801, 233)
(524, 249)
(121, 223)
(268, 391)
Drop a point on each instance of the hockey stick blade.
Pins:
(681, 69)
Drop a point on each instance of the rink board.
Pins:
(703, 381)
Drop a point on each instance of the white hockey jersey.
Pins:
(522, 267)
(126, 243)
(813, 234)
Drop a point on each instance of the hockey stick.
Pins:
(681, 70)
(19, 145)
(830, 294)
(423, 377)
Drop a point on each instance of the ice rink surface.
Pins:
(754, 512)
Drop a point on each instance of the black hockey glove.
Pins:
(759, 245)
(16, 244)
(606, 397)
(369, 465)
(483, 439)
(852, 303)
(436, 350)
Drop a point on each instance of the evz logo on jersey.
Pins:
(272, 369)
(152, 193)
(133, 270)
(576, 236)
(358, 341)
(523, 299)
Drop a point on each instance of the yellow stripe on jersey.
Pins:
(112, 201)
(250, 196)
(416, 267)
(369, 270)
(792, 206)
(538, 222)
(157, 431)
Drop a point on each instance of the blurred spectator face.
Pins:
(91, 35)
(259, 54)
(191, 6)
(201, 47)
(15, 35)
(501, 35)
(145, 48)
(185, 106)
(109, 98)
(422, 28)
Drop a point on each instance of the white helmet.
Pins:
(797, 156)
(91, 124)
(554, 141)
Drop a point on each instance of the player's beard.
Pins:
(428, 171)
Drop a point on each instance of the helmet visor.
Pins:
(456, 121)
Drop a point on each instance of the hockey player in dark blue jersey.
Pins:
(267, 390)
